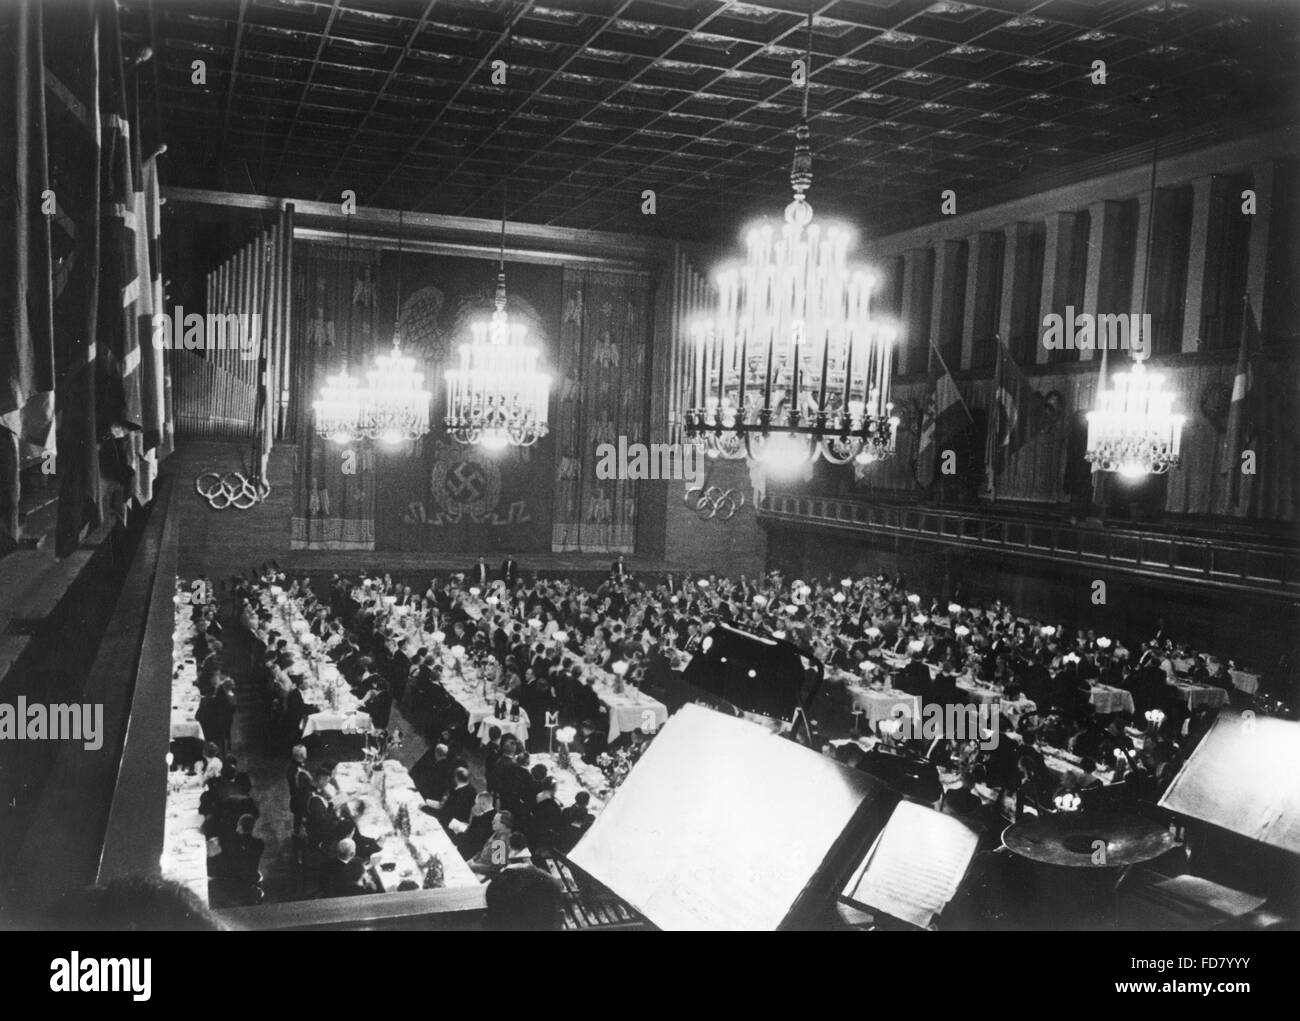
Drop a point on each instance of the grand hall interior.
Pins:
(595, 465)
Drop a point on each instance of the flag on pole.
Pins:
(121, 412)
(1017, 409)
(943, 420)
(1243, 416)
(72, 92)
(27, 370)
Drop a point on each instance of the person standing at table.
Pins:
(915, 677)
(459, 802)
(510, 571)
(480, 576)
(618, 570)
(300, 786)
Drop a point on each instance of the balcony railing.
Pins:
(1252, 567)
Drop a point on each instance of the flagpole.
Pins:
(992, 431)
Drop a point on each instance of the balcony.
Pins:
(1257, 568)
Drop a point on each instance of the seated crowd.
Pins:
(544, 637)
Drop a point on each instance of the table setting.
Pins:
(414, 847)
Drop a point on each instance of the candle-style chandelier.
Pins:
(339, 409)
(1133, 428)
(793, 367)
(396, 405)
(392, 405)
(496, 398)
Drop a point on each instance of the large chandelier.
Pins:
(1133, 429)
(339, 409)
(396, 405)
(793, 367)
(497, 398)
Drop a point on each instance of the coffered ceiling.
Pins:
(394, 100)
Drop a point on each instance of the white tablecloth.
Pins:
(629, 709)
(185, 673)
(517, 727)
(384, 794)
(185, 849)
(1106, 699)
(980, 695)
(884, 705)
(348, 723)
(580, 776)
(1198, 695)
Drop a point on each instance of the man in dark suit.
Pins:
(459, 802)
(345, 873)
(475, 835)
(574, 822)
(544, 826)
(433, 773)
(915, 677)
(479, 575)
(618, 570)
(510, 571)
(300, 785)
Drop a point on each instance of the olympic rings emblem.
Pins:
(231, 490)
(715, 502)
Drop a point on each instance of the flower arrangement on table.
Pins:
(615, 766)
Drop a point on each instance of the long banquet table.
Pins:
(401, 858)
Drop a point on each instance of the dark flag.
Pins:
(1243, 412)
(27, 369)
(121, 413)
(71, 107)
(942, 421)
(1013, 418)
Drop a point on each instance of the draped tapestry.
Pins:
(437, 495)
(336, 316)
(603, 379)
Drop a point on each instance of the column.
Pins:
(946, 302)
(980, 299)
(915, 311)
(1101, 286)
(1056, 273)
(1263, 183)
(1208, 194)
(1015, 282)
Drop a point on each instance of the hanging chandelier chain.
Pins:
(801, 172)
(500, 300)
(496, 397)
(397, 308)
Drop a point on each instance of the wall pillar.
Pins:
(1057, 251)
(1207, 208)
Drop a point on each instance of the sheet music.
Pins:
(916, 865)
(720, 826)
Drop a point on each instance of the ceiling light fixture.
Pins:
(338, 409)
(497, 398)
(1133, 429)
(396, 405)
(793, 366)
